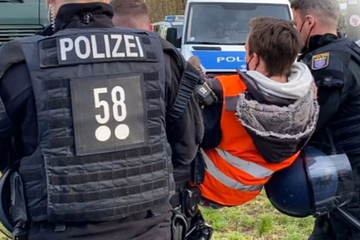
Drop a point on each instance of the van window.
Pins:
(227, 23)
(179, 28)
(157, 28)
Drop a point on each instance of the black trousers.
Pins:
(149, 225)
(332, 227)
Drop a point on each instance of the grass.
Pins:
(257, 220)
(2, 237)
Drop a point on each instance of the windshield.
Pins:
(179, 29)
(227, 23)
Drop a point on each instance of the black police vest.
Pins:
(342, 135)
(102, 147)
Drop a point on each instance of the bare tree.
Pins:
(160, 8)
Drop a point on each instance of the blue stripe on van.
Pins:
(221, 60)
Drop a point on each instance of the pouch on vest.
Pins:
(198, 170)
(18, 207)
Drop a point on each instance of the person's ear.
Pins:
(151, 27)
(310, 21)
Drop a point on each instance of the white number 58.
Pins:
(118, 98)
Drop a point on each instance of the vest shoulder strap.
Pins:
(355, 46)
(170, 49)
(347, 46)
(342, 47)
(190, 78)
(10, 54)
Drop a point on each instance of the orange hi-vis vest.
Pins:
(235, 172)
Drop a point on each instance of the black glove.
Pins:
(205, 94)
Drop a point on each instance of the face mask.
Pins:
(305, 48)
(248, 64)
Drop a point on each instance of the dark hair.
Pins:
(129, 7)
(323, 8)
(276, 42)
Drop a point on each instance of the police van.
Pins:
(216, 31)
(171, 21)
(20, 18)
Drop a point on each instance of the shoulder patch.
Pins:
(320, 61)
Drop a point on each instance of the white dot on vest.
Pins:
(103, 133)
(122, 131)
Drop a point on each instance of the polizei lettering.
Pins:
(79, 49)
(229, 59)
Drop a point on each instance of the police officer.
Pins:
(131, 14)
(186, 217)
(96, 112)
(335, 65)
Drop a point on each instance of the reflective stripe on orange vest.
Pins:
(253, 169)
(235, 171)
(227, 181)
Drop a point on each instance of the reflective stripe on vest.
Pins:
(253, 169)
(227, 181)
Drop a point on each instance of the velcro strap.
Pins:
(61, 123)
(111, 213)
(62, 142)
(155, 131)
(106, 157)
(151, 76)
(189, 80)
(153, 94)
(151, 55)
(146, 40)
(108, 175)
(57, 83)
(155, 113)
(108, 194)
(58, 103)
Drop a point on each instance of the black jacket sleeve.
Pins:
(329, 101)
(18, 128)
(334, 97)
(184, 133)
(6, 132)
(212, 117)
